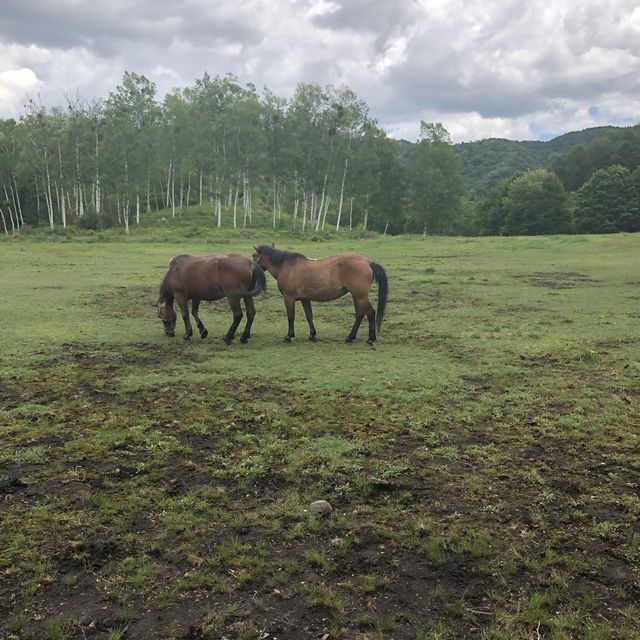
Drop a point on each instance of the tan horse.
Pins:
(300, 278)
(210, 277)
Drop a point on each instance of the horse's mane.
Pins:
(165, 294)
(278, 256)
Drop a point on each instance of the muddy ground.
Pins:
(181, 510)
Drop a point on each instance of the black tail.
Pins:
(258, 281)
(380, 276)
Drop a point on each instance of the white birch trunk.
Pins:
(304, 210)
(49, 199)
(37, 198)
(16, 198)
(244, 200)
(137, 207)
(9, 211)
(167, 200)
(125, 214)
(6, 197)
(326, 208)
(235, 204)
(200, 196)
(97, 196)
(275, 198)
(366, 215)
(321, 208)
(61, 201)
(81, 202)
(173, 193)
(97, 204)
(312, 208)
(149, 191)
(344, 177)
(4, 222)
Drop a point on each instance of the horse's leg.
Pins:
(250, 308)
(183, 303)
(290, 305)
(306, 305)
(236, 309)
(362, 308)
(371, 317)
(195, 306)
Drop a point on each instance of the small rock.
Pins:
(320, 506)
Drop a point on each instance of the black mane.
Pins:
(278, 256)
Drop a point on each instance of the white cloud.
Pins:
(511, 68)
(14, 85)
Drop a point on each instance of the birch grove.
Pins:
(215, 145)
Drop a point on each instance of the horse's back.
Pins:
(209, 277)
(326, 278)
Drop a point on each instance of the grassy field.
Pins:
(482, 461)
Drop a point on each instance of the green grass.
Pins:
(481, 460)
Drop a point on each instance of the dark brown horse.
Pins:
(300, 278)
(211, 277)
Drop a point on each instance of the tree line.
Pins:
(314, 161)
(592, 188)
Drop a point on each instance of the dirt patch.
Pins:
(195, 525)
(131, 301)
(558, 279)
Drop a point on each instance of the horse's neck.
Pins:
(273, 270)
(166, 295)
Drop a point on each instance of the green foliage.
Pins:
(314, 162)
(436, 184)
(615, 147)
(536, 205)
(609, 201)
(533, 203)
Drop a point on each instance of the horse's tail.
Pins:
(380, 276)
(258, 282)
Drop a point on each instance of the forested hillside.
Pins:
(315, 161)
(486, 161)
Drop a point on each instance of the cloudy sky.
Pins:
(518, 69)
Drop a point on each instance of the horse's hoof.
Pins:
(204, 333)
(287, 339)
(371, 343)
(170, 334)
(312, 339)
(187, 336)
(244, 339)
(349, 340)
(227, 340)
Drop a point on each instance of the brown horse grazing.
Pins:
(300, 278)
(211, 277)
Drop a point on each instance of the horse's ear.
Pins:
(254, 246)
(273, 245)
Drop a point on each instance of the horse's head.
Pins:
(260, 255)
(167, 314)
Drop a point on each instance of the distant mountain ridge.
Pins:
(484, 162)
